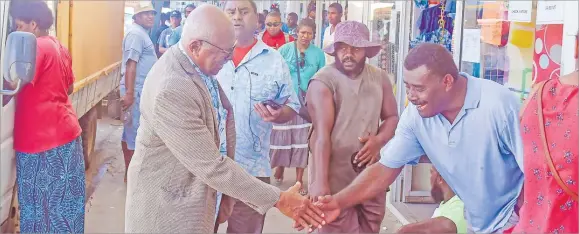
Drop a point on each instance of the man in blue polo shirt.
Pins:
(468, 127)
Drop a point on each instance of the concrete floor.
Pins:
(107, 191)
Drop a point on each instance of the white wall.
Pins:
(570, 27)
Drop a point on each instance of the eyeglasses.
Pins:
(229, 52)
(302, 60)
(274, 24)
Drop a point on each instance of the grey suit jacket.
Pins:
(177, 167)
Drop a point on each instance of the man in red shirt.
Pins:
(273, 36)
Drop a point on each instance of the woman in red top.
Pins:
(49, 159)
(273, 36)
(549, 124)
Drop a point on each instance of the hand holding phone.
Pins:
(276, 103)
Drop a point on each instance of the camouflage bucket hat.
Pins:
(355, 34)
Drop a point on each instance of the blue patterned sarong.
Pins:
(51, 189)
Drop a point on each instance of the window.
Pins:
(508, 42)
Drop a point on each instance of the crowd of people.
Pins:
(218, 105)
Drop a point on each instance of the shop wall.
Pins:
(518, 43)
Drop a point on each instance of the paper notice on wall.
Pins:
(471, 45)
(550, 12)
(520, 11)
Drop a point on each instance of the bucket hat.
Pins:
(354, 34)
(143, 6)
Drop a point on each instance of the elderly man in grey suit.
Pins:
(178, 165)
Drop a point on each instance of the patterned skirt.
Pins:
(289, 144)
(51, 189)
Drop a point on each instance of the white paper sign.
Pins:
(550, 12)
(520, 11)
(471, 45)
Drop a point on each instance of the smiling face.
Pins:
(243, 16)
(273, 25)
(428, 92)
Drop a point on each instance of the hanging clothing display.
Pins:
(436, 26)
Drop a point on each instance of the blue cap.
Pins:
(176, 14)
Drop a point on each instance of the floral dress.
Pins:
(547, 207)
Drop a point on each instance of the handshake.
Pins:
(305, 213)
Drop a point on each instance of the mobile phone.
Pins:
(276, 103)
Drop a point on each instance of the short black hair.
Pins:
(436, 58)
(191, 6)
(250, 2)
(307, 22)
(293, 14)
(32, 10)
(337, 6)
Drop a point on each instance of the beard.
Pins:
(357, 69)
(436, 193)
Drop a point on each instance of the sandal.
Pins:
(278, 181)
(303, 192)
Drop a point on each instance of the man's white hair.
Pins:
(204, 23)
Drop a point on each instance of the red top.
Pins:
(277, 40)
(239, 53)
(44, 117)
(547, 208)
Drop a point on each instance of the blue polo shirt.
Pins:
(480, 155)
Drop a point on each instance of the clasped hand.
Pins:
(330, 208)
(300, 209)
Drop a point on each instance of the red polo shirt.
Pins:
(277, 40)
(45, 118)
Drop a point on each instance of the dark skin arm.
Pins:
(370, 153)
(372, 181)
(375, 179)
(130, 75)
(322, 111)
(70, 89)
(434, 225)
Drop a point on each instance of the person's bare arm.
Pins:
(287, 114)
(130, 76)
(70, 89)
(433, 225)
(322, 111)
(372, 181)
(388, 114)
